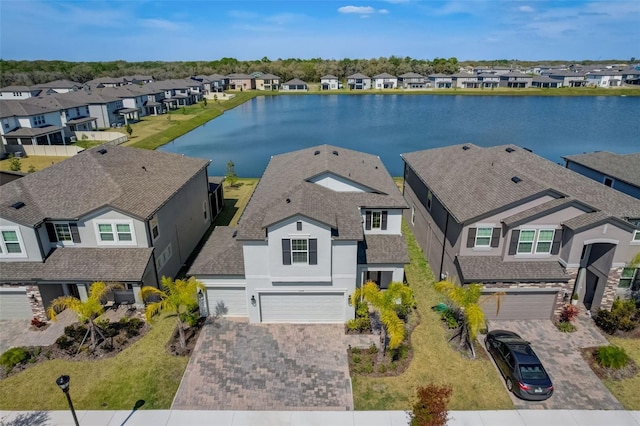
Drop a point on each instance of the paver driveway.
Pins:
(240, 366)
(575, 385)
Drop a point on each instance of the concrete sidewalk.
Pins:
(317, 418)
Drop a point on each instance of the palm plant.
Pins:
(179, 297)
(87, 310)
(385, 302)
(467, 300)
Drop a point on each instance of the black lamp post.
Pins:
(63, 383)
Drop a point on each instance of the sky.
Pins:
(207, 30)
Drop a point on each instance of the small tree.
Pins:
(386, 303)
(204, 102)
(215, 98)
(431, 407)
(15, 165)
(129, 129)
(179, 297)
(231, 176)
(31, 169)
(88, 310)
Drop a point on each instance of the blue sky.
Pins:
(183, 30)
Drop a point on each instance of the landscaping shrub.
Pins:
(13, 357)
(568, 313)
(612, 357)
(37, 323)
(606, 321)
(565, 327)
(373, 349)
(362, 322)
(450, 318)
(64, 342)
(400, 353)
(431, 407)
(75, 332)
(352, 325)
(623, 316)
(356, 359)
(382, 369)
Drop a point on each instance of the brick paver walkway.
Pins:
(240, 366)
(576, 387)
(14, 333)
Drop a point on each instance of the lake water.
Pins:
(388, 125)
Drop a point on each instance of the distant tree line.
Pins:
(26, 73)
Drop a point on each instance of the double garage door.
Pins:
(520, 306)
(302, 307)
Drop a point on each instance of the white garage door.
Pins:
(520, 306)
(303, 307)
(231, 299)
(14, 304)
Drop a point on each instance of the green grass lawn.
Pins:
(143, 371)
(38, 162)
(627, 391)
(476, 383)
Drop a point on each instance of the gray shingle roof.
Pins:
(220, 255)
(386, 249)
(135, 181)
(288, 176)
(473, 182)
(537, 211)
(624, 167)
(296, 82)
(82, 264)
(411, 75)
(24, 108)
(492, 268)
(384, 75)
(358, 75)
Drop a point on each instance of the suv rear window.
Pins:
(532, 372)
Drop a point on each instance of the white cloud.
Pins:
(383, 11)
(527, 9)
(360, 10)
(161, 24)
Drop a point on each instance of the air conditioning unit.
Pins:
(72, 139)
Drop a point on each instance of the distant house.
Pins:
(267, 82)
(74, 114)
(19, 92)
(569, 78)
(440, 81)
(385, 81)
(100, 82)
(488, 80)
(465, 80)
(105, 107)
(138, 79)
(618, 171)
(515, 80)
(110, 214)
(240, 82)
(412, 80)
(605, 78)
(358, 81)
(545, 82)
(295, 85)
(60, 86)
(520, 224)
(329, 82)
(25, 122)
(321, 222)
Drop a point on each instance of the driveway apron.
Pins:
(240, 366)
(576, 387)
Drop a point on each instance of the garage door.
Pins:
(519, 306)
(302, 308)
(233, 300)
(14, 304)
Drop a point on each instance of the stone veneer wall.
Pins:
(610, 290)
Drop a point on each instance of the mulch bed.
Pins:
(604, 373)
(191, 337)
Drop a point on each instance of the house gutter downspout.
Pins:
(444, 244)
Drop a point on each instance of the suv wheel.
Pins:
(510, 385)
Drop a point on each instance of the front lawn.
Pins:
(38, 162)
(476, 383)
(143, 371)
(626, 391)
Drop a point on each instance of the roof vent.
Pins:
(335, 153)
(466, 147)
(102, 151)
(234, 234)
(527, 149)
(18, 205)
(516, 179)
(288, 200)
(509, 149)
(316, 153)
(144, 168)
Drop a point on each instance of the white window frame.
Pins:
(429, 199)
(205, 210)
(478, 236)
(413, 215)
(153, 224)
(375, 213)
(536, 240)
(3, 244)
(114, 232)
(294, 251)
(58, 235)
(635, 238)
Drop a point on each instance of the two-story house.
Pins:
(516, 80)
(322, 221)
(412, 80)
(267, 82)
(518, 223)
(18, 92)
(329, 82)
(239, 81)
(358, 81)
(29, 122)
(618, 171)
(111, 214)
(440, 81)
(385, 81)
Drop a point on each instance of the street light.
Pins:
(63, 384)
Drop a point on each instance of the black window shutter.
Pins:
(75, 235)
(286, 252)
(367, 222)
(313, 251)
(495, 237)
(51, 230)
(384, 220)
(557, 239)
(471, 238)
(513, 245)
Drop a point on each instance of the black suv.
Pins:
(522, 370)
